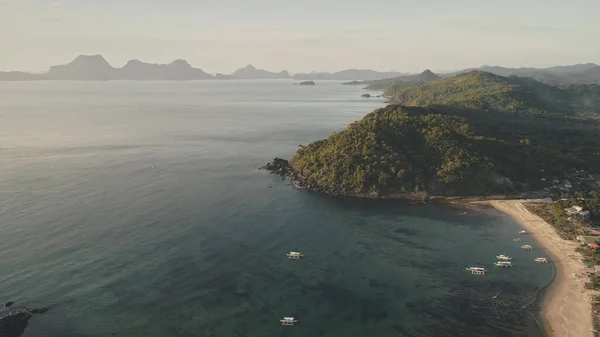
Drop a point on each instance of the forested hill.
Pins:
(423, 77)
(397, 150)
(472, 134)
(488, 92)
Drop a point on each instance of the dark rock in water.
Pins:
(34, 310)
(365, 95)
(307, 83)
(8, 304)
(279, 166)
(14, 324)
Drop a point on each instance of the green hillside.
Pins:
(471, 134)
(488, 92)
(424, 77)
(446, 151)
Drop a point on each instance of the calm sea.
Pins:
(136, 209)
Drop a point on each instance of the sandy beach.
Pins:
(566, 310)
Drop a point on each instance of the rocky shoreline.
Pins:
(283, 168)
(14, 323)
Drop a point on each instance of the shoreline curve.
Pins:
(564, 310)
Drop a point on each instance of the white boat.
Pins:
(503, 264)
(526, 247)
(523, 232)
(541, 260)
(496, 296)
(503, 257)
(288, 321)
(476, 270)
(294, 255)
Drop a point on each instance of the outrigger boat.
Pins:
(541, 260)
(288, 321)
(294, 255)
(523, 232)
(503, 257)
(503, 264)
(476, 270)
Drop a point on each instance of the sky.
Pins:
(302, 35)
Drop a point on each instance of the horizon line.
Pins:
(40, 72)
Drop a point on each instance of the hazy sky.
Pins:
(302, 35)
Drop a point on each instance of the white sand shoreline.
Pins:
(565, 309)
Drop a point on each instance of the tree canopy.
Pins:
(474, 133)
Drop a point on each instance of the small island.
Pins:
(307, 83)
(472, 134)
(356, 82)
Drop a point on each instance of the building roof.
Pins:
(593, 245)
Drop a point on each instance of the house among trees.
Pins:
(578, 210)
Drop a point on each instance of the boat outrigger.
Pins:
(503, 264)
(476, 270)
(294, 255)
(541, 260)
(503, 257)
(516, 240)
(288, 321)
(526, 247)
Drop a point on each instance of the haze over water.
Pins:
(136, 209)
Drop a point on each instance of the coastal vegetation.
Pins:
(596, 315)
(487, 92)
(425, 76)
(471, 134)
(567, 225)
(403, 80)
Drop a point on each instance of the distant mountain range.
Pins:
(349, 74)
(96, 68)
(249, 72)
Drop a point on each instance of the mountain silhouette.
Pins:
(251, 72)
(349, 74)
(424, 77)
(96, 68)
(84, 67)
(178, 70)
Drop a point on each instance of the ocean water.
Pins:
(137, 209)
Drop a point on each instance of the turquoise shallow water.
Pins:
(136, 209)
